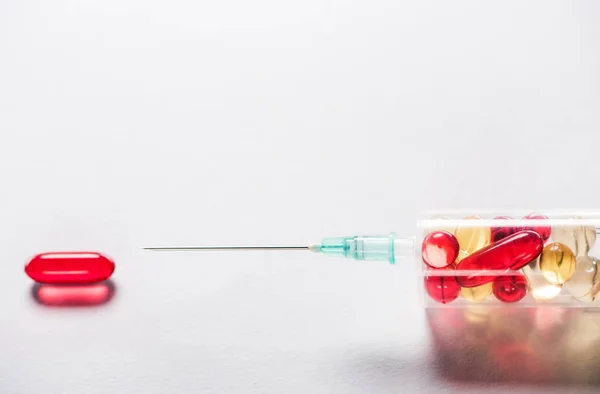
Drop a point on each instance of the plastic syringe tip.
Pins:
(366, 247)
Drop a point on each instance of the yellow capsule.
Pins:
(539, 287)
(584, 278)
(579, 238)
(477, 294)
(557, 263)
(472, 238)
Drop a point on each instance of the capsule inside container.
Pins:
(509, 258)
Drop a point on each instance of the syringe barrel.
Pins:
(514, 258)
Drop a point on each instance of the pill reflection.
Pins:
(527, 345)
(73, 295)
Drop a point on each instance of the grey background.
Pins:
(126, 123)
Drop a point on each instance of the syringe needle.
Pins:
(225, 248)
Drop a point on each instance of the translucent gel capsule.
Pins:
(511, 288)
(439, 249)
(539, 287)
(579, 238)
(584, 278)
(70, 268)
(476, 294)
(443, 289)
(595, 289)
(557, 263)
(472, 239)
(510, 253)
(448, 229)
(543, 231)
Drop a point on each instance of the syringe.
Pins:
(371, 248)
(490, 258)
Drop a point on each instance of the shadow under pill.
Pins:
(92, 295)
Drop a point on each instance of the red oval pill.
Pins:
(511, 288)
(443, 289)
(70, 268)
(510, 253)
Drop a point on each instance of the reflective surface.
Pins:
(73, 295)
(126, 123)
(520, 346)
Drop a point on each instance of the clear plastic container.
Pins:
(508, 258)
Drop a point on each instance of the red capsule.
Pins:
(511, 253)
(439, 249)
(443, 289)
(70, 268)
(511, 288)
